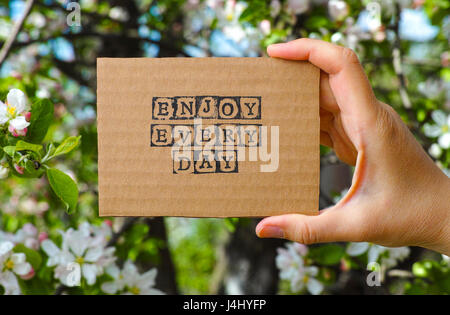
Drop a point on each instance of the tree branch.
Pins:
(17, 27)
(397, 62)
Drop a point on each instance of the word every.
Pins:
(206, 107)
(198, 135)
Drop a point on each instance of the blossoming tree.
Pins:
(51, 238)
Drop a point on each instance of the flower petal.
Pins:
(312, 271)
(439, 117)
(113, 271)
(22, 269)
(356, 249)
(10, 284)
(431, 131)
(110, 287)
(50, 248)
(77, 243)
(129, 270)
(19, 123)
(151, 291)
(147, 279)
(435, 150)
(93, 254)
(5, 247)
(18, 258)
(17, 99)
(444, 140)
(89, 273)
(374, 252)
(3, 113)
(314, 286)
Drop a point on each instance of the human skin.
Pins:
(398, 197)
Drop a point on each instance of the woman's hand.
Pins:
(398, 197)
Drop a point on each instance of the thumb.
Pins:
(333, 224)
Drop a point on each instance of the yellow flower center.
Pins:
(135, 290)
(305, 279)
(445, 128)
(229, 17)
(9, 264)
(79, 260)
(11, 110)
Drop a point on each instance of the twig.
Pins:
(397, 62)
(16, 29)
(114, 238)
(125, 227)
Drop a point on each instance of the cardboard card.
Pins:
(207, 137)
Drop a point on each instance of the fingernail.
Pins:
(270, 232)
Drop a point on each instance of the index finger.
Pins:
(348, 81)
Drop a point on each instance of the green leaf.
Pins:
(22, 145)
(41, 118)
(64, 187)
(10, 150)
(33, 257)
(67, 145)
(327, 254)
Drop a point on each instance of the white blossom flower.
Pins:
(435, 150)
(298, 6)
(290, 260)
(388, 256)
(13, 112)
(440, 130)
(306, 278)
(4, 171)
(27, 235)
(36, 19)
(292, 267)
(82, 247)
(129, 281)
(12, 264)
(119, 14)
(337, 9)
(275, 8)
(446, 259)
(264, 26)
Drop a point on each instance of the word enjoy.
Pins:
(206, 107)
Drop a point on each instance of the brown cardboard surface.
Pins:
(144, 103)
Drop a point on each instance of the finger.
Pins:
(325, 139)
(327, 100)
(348, 81)
(326, 120)
(334, 224)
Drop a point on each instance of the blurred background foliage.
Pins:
(402, 44)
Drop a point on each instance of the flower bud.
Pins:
(19, 169)
(29, 275)
(43, 236)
